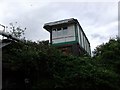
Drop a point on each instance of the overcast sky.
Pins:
(99, 20)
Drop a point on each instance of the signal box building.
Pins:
(68, 36)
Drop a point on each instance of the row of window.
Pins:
(56, 32)
(58, 29)
(59, 33)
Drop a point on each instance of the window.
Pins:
(82, 39)
(64, 28)
(54, 33)
(54, 29)
(59, 33)
(58, 29)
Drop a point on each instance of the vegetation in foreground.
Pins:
(34, 66)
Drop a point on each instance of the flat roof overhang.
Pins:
(48, 26)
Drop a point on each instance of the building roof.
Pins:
(47, 26)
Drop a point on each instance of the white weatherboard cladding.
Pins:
(82, 40)
(70, 39)
(63, 35)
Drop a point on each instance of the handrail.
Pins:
(9, 36)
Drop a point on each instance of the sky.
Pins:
(98, 19)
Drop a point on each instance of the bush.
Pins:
(38, 65)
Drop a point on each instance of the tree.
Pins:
(46, 67)
(16, 31)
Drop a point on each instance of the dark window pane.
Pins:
(64, 28)
(54, 29)
(58, 29)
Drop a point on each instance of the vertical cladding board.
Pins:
(82, 39)
(79, 35)
(78, 29)
(76, 32)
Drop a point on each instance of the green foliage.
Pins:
(109, 54)
(46, 67)
(16, 31)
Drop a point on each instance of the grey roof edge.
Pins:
(48, 25)
(65, 20)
